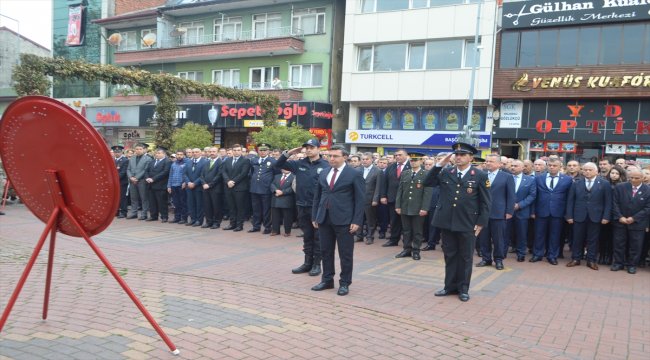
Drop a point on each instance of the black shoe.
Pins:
(300, 235)
(152, 219)
(343, 290)
(214, 226)
(196, 224)
(403, 254)
(120, 216)
(521, 258)
(189, 223)
(205, 226)
(479, 253)
(182, 222)
(163, 220)
(253, 230)
(513, 251)
(323, 286)
(616, 267)
(303, 269)
(143, 218)
(552, 261)
(315, 270)
(428, 248)
(631, 270)
(484, 263)
(131, 217)
(382, 236)
(230, 227)
(358, 239)
(174, 221)
(266, 231)
(390, 243)
(535, 259)
(499, 265)
(238, 228)
(416, 256)
(444, 292)
(464, 297)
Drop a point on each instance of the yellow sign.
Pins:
(568, 81)
(353, 136)
(253, 123)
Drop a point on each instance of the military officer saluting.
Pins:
(121, 164)
(463, 210)
(412, 204)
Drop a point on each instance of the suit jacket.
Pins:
(121, 165)
(192, 172)
(262, 174)
(594, 204)
(138, 168)
(462, 203)
(502, 190)
(345, 200)
(372, 185)
(552, 203)
(288, 199)
(238, 172)
(389, 188)
(525, 196)
(412, 195)
(637, 207)
(212, 176)
(159, 173)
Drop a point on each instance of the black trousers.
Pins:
(237, 205)
(311, 243)
(458, 248)
(158, 204)
(330, 236)
(124, 205)
(282, 216)
(585, 233)
(395, 224)
(413, 231)
(625, 237)
(382, 218)
(211, 200)
(261, 210)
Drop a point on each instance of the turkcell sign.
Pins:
(404, 137)
(540, 13)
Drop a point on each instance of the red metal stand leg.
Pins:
(121, 281)
(48, 278)
(28, 268)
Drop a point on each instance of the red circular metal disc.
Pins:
(37, 134)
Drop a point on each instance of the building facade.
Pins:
(286, 48)
(407, 69)
(573, 78)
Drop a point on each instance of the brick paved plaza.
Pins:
(223, 295)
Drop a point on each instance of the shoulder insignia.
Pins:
(487, 184)
(472, 172)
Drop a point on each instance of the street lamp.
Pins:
(19, 40)
(212, 115)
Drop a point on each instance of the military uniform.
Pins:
(413, 197)
(261, 179)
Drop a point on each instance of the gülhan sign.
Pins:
(527, 14)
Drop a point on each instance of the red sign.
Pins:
(75, 26)
(614, 122)
(287, 112)
(108, 116)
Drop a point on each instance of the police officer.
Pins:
(262, 176)
(306, 171)
(121, 164)
(412, 204)
(463, 210)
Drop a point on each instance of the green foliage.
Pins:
(30, 78)
(191, 135)
(282, 137)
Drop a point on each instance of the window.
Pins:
(469, 51)
(227, 77)
(528, 50)
(309, 21)
(191, 75)
(227, 29)
(193, 33)
(567, 47)
(389, 57)
(364, 61)
(148, 42)
(267, 25)
(445, 54)
(509, 46)
(633, 39)
(129, 41)
(589, 39)
(611, 43)
(416, 56)
(262, 78)
(369, 6)
(388, 5)
(416, 4)
(307, 75)
(547, 52)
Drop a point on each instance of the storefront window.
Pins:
(633, 36)
(611, 44)
(589, 46)
(547, 47)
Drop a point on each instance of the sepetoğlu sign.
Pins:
(540, 13)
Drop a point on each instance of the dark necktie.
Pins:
(552, 182)
(333, 179)
(634, 190)
(460, 176)
(156, 163)
(284, 178)
(194, 164)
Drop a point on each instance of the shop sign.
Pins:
(131, 134)
(306, 114)
(420, 118)
(253, 123)
(113, 116)
(568, 81)
(426, 138)
(541, 13)
(511, 114)
(594, 126)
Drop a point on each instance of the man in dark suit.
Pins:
(156, 177)
(138, 187)
(371, 175)
(502, 191)
(192, 177)
(525, 194)
(432, 233)
(463, 210)
(631, 211)
(337, 212)
(383, 218)
(236, 176)
(212, 190)
(389, 192)
(550, 207)
(263, 171)
(589, 204)
(121, 164)
(282, 203)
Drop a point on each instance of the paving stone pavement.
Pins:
(227, 295)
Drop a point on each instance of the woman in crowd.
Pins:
(615, 176)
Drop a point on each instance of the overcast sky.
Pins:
(34, 19)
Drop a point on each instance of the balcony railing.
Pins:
(194, 39)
